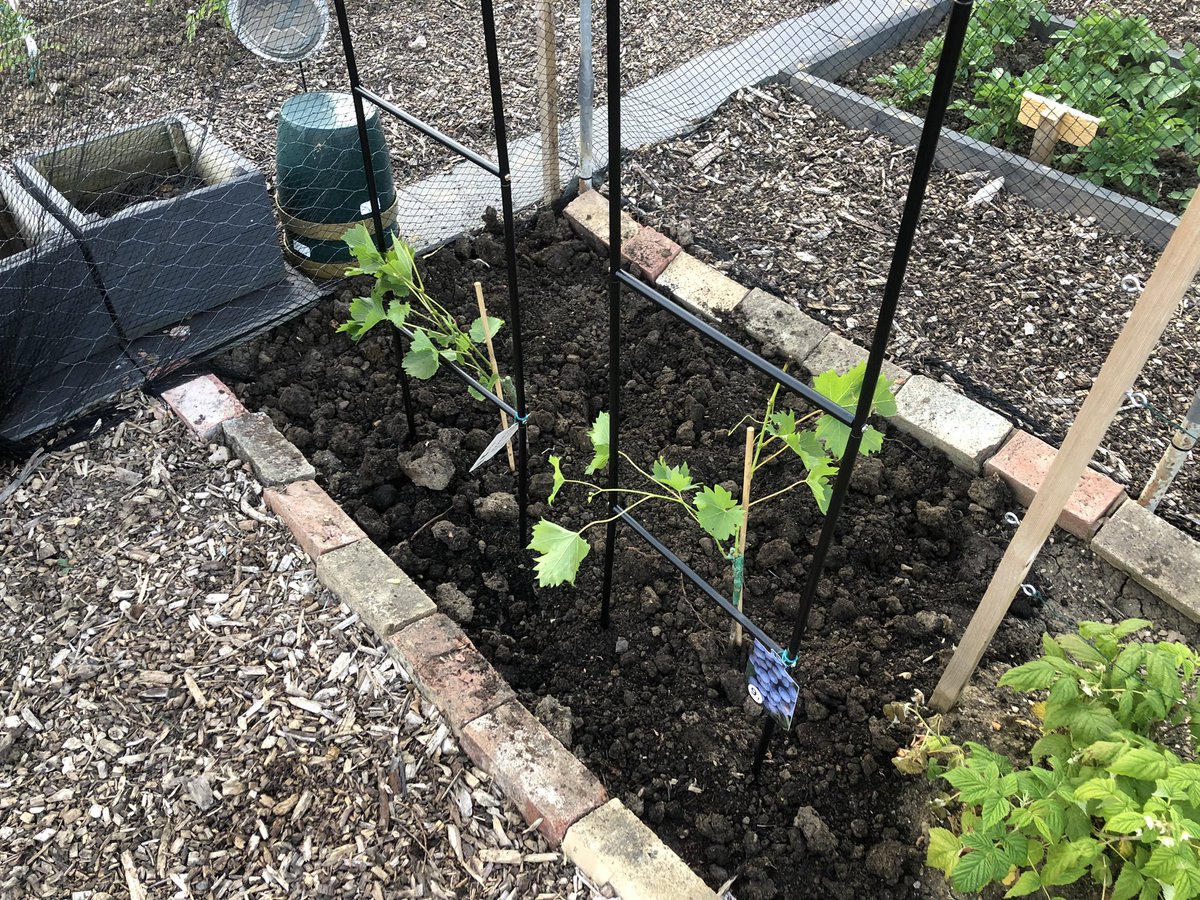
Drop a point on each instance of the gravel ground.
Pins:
(1017, 305)
(185, 713)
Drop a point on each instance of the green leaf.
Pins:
(559, 480)
(818, 482)
(782, 424)
(1026, 884)
(1183, 783)
(678, 478)
(495, 323)
(1084, 652)
(1066, 863)
(1141, 763)
(365, 314)
(806, 445)
(1187, 883)
(1129, 626)
(833, 434)
(397, 313)
(1031, 676)
(599, 438)
(559, 553)
(995, 810)
(1128, 883)
(363, 249)
(1125, 822)
(421, 360)
(944, 850)
(978, 869)
(844, 390)
(719, 513)
(973, 782)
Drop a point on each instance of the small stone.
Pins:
(498, 507)
(453, 536)
(622, 645)
(432, 467)
(817, 836)
(454, 603)
(556, 717)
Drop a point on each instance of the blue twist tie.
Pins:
(521, 420)
(788, 660)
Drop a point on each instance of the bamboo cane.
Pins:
(498, 387)
(747, 475)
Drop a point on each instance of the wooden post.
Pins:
(547, 79)
(1054, 122)
(1172, 276)
(747, 475)
(498, 388)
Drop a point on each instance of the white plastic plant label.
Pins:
(303, 249)
(771, 685)
(497, 443)
(365, 209)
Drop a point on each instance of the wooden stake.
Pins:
(499, 388)
(1046, 138)
(547, 79)
(747, 475)
(1054, 122)
(1176, 268)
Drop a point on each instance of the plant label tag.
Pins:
(496, 444)
(303, 249)
(365, 209)
(771, 685)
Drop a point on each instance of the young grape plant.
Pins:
(559, 551)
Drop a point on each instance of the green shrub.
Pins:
(1111, 793)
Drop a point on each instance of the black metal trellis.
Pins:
(500, 169)
(922, 166)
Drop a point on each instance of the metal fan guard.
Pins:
(282, 31)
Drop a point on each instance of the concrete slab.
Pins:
(1156, 555)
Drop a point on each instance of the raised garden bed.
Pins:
(657, 705)
(156, 205)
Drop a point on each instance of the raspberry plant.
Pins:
(560, 551)
(399, 297)
(1112, 792)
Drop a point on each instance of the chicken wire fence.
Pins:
(750, 136)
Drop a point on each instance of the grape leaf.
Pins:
(395, 274)
(365, 314)
(818, 482)
(494, 326)
(559, 480)
(720, 515)
(363, 249)
(421, 360)
(678, 477)
(560, 553)
(781, 424)
(599, 437)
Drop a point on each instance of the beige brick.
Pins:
(700, 287)
(613, 847)
(318, 524)
(965, 431)
(588, 215)
(365, 579)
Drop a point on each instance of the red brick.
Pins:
(318, 524)
(588, 215)
(449, 671)
(203, 404)
(1023, 463)
(533, 769)
(648, 253)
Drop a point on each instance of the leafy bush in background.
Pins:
(1112, 792)
(1111, 66)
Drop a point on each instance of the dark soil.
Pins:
(141, 188)
(658, 704)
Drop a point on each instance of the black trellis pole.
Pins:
(943, 85)
(373, 192)
(613, 39)
(510, 260)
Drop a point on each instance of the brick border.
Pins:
(1155, 554)
(553, 790)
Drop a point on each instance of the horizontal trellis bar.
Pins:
(790, 382)
(444, 139)
(725, 603)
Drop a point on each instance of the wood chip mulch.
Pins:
(184, 712)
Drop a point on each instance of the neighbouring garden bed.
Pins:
(657, 704)
(1106, 65)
